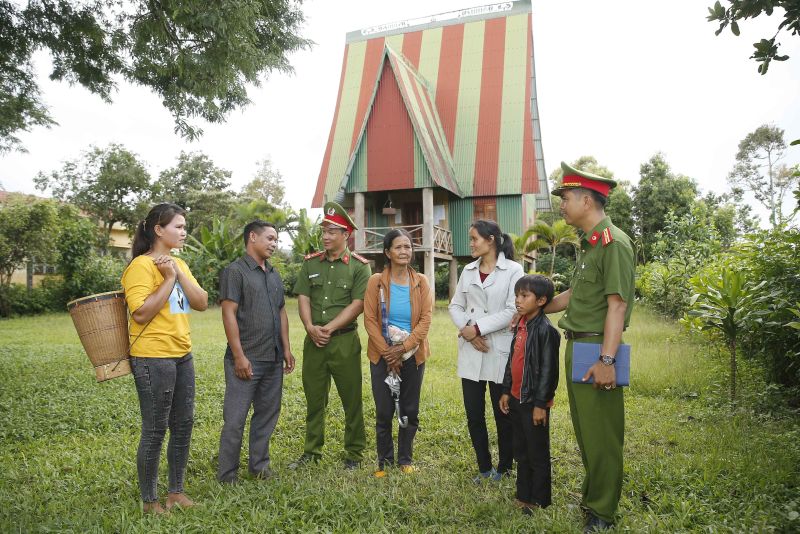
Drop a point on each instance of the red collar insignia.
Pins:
(607, 237)
(594, 238)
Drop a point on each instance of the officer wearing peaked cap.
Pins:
(597, 309)
(330, 292)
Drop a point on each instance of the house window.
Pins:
(485, 208)
(44, 268)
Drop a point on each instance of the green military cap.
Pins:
(337, 215)
(577, 178)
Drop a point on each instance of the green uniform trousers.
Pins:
(598, 417)
(340, 359)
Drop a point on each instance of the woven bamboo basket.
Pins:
(102, 324)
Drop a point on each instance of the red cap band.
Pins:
(339, 221)
(573, 180)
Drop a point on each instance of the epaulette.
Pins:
(607, 237)
(359, 257)
(313, 255)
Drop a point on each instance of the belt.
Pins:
(569, 334)
(341, 331)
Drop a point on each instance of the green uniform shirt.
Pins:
(605, 267)
(332, 285)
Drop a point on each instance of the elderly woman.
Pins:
(408, 303)
(482, 308)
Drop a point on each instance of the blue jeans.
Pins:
(166, 399)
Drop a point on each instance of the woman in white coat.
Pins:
(482, 309)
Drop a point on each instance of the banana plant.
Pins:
(727, 302)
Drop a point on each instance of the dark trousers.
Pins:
(410, 388)
(166, 400)
(532, 453)
(475, 406)
(263, 391)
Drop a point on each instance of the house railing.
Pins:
(442, 238)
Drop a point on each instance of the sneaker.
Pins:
(303, 460)
(407, 469)
(380, 473)
(491, 474)
(351, 464)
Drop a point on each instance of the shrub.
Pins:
(45, 298)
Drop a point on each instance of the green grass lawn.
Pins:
(68, 447)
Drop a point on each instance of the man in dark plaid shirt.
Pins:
(258, 352)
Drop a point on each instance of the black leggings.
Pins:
(475, 406)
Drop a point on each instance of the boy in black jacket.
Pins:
(529, 386)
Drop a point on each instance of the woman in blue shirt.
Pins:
(408, 300)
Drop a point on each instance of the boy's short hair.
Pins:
(538, 284)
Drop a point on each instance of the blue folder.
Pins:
(584, 355)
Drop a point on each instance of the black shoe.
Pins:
(595, 524)
(303, 460)
(351, 464)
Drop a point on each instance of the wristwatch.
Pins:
(607, 360)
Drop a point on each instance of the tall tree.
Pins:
(197, 56)
(267, 185)
(757, 170)
(766, 50)
(658, 193)
(197, 185)
(107, 184)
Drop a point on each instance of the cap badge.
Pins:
(331, 211)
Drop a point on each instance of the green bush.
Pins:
(665, 286)
(774, 256)
(40, 299)
(97, 274)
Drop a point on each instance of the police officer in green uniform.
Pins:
(330, 293)
(598, 309)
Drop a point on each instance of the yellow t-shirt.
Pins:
(167, 335)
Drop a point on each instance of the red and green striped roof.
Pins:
(465, 85)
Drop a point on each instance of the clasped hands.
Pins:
(470, 333)
(319, 334)
(393, 356)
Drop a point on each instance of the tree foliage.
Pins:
(550, 237)
(728, 303)
(267, 185)
(757, 170)
(766, 50)
(26, 232)
(658, 193)
(199, 57)
(197, 185)
(107, 184)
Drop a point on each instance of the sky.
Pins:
(617, 80)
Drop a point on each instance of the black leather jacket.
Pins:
(540, 372)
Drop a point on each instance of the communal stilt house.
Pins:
(436, 125)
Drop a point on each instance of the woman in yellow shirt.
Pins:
(160, 291)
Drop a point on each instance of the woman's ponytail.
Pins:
(491, 230)
(507, 247)
(141, 241)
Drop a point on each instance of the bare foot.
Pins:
(153, 508)
(180, 500)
